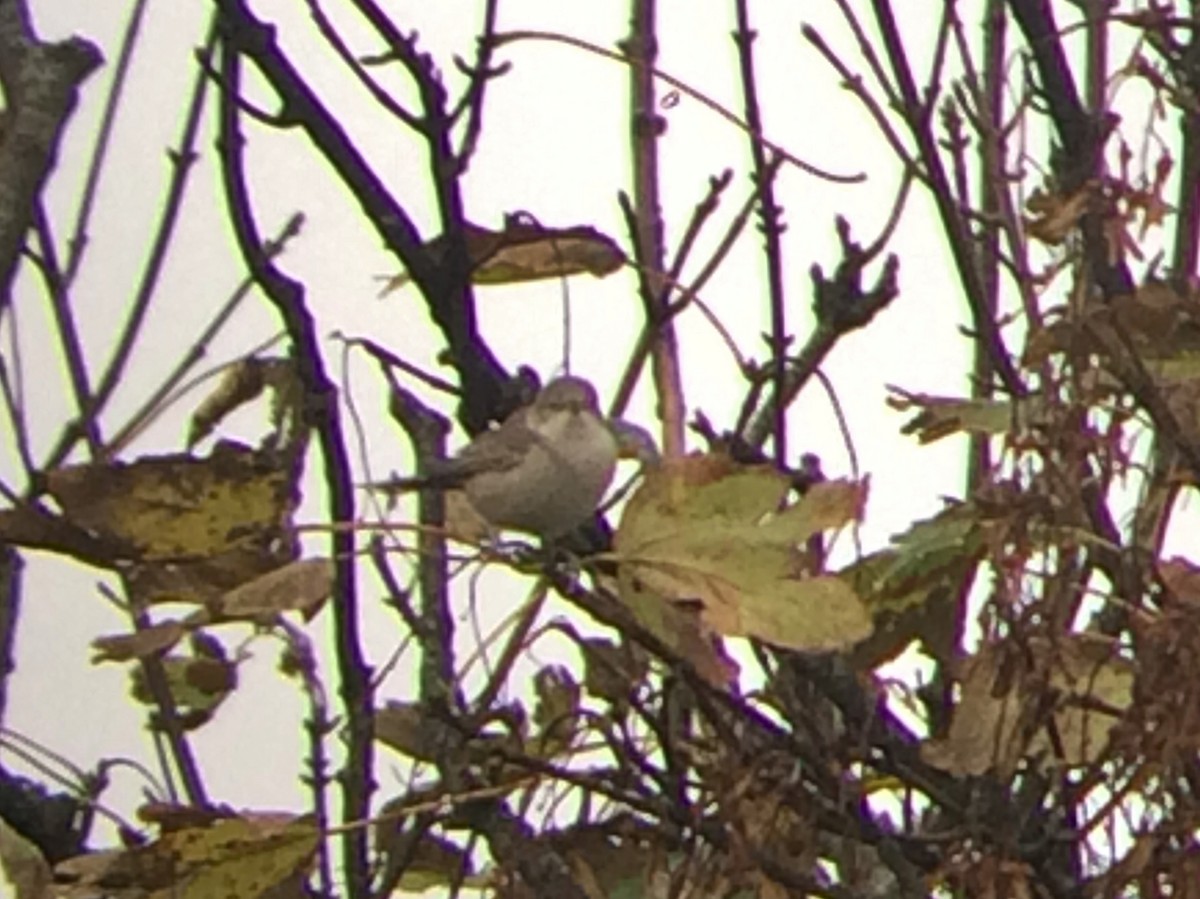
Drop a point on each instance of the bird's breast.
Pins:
(558, 484)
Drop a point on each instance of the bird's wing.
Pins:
(498, 450)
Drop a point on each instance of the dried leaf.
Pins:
(190, 527)
(24, 865)
(1089, 687)
(411, 730)
(941, 416)
(680, 628)
(619, 863)
(911, 587)
(199, 683)
(612, 671)
(1181, 577)
(240, 384)
(556, 710)
(241, 857)
(1055, 216)
(153, 640)
(704, 530)
(525, 251)
(435, 862)
(301, 586)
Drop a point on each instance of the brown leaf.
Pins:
(940, 416)
(24, 865)
(435, 862)
(153, 640)
(612, 671)
(411, 730)
(1055, 216)
(199, 683)
(1090, 688)
(240, 383)
(526, 251)
(555, 712)
(1182, 578)
(301, 586)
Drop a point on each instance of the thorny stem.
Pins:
(288, 298)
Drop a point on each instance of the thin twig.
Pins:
(12, 388)
(116, 90)
(957, 234)
(688, 292)
(641, 47)
(182, 161)
(508, 37)
(64, 322)
(770, 224)
(481, 73)
(334, 39)
(161, 397)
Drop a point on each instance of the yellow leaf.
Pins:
(233, 857)
(191, 527)
(704, 530)
(238, 858)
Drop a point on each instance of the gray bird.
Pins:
(543, 471)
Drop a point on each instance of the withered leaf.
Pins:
(526, 251)
(191, 527)
(706, 531)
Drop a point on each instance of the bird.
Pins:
(543, 471)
